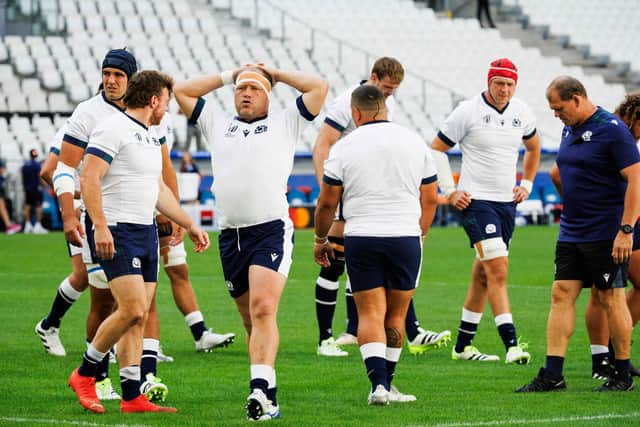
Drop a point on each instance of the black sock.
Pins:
(411, 323)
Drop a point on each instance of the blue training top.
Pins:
(31, 175)
(590, 159)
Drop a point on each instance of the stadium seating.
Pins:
(607, 28)
(451, 55)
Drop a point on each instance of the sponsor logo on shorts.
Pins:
(135, 262)
(274, 257)
(490, 228)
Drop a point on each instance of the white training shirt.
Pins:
(85, 118)
(489, 141)
(381, 166)
(252, 161)
(165, 131)
(54, 147)
(130, 186)
(339, 112)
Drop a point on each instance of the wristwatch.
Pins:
(626, 228)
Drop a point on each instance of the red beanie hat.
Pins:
(503, 67)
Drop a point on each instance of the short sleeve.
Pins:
(339, 112)
(623, 147)
(203, 116)
(333, 172)
(529, 125)
(105, 143)
(79, 126)
(56, 142)
(296, 118)
(429, 172)
(455, 126)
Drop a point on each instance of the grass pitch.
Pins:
(210, 389)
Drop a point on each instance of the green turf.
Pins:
(210, 389)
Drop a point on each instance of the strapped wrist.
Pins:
(227, 77)
(320, 240)
(527, 185)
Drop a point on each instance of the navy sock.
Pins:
(260, 384)
(507, 332)
(130, 382)
(271, 395)
(197, 329)
(61, 304)
(466, 333)
(553, 366)
(391, 371)
(597, 359)
(377, 372)
(88, 367)
(325, 309)
(149, 363)
(411, 323)
(102, 369)
(352, 316)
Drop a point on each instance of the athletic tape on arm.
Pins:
(63, 179)
(445, 179)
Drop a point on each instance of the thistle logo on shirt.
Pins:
(586, 137)
(516, 122)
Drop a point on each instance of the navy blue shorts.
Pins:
(389, 262)
(268, 245)
(33, 197)
(484, 220)
(590, 263)
(136, 248)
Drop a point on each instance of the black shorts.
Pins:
(590, 263)
(389, 262)
(33, 198)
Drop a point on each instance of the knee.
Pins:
(560, 294)
(178, 275)
(262, 310)
(496, 273)
(134, 313)
(79, 280)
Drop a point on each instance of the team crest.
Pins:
(260, 129)
(516, 122)
(231, 130)
(586, 137)
(135, 262)
(490, 229)
(229, 285)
